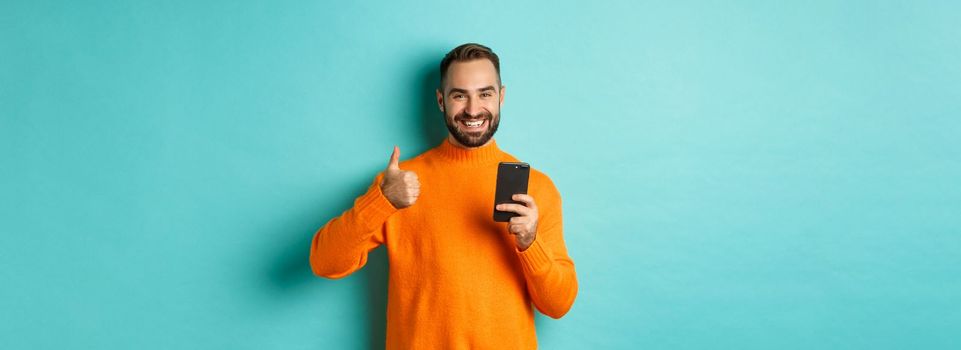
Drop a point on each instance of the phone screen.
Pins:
(511, 179)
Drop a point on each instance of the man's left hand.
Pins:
(523, 227)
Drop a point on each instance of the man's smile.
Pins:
(474, 125)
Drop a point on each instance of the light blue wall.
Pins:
(750, 175)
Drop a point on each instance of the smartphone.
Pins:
(511, 179)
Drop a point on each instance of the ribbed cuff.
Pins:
(373, 208)
(536, 259)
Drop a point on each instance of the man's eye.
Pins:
(487, 94)
(458, 97)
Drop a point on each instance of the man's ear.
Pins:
(440, 100)
(503, 90)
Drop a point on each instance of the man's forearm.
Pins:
(551, 281)
(340, 247)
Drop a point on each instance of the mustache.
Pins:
(481, 115)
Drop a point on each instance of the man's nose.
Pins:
(473, 108)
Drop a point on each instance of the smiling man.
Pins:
(458, 279)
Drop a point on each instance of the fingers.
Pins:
(403, 197)
(402, 188)
(526, 199)
(520, 229)
(413, 191)
(394, 163)
(519, 220)
(409, 186)
(411, 179)
(529, 207)
(514, 208)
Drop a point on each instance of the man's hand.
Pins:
(523, 227)
(401, 187)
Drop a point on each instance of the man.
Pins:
(458, 279)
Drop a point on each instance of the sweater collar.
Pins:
(474, 156)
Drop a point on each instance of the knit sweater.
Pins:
(457, 279)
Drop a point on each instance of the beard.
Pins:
(472, 138)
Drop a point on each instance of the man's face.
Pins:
(471, 101)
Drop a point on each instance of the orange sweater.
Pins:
(457, 280)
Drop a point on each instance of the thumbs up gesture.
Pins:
(401, 187)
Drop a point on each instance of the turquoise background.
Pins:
(737, 175)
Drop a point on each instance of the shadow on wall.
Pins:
(432, 121)
(291, 267)
(289, 272)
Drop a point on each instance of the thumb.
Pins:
(394, 163)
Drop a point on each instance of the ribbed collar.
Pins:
(470, 156)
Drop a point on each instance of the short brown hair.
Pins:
(469, 52)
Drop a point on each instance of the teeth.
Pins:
(474, 123)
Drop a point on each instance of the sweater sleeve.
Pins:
(340, 247)
(549, 271)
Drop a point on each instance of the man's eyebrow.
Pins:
(464, 91)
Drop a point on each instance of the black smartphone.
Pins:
(511, 179)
